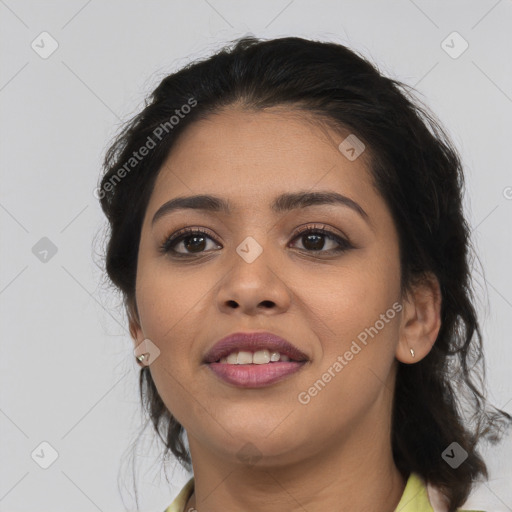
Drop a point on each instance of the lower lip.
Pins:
(255, 375)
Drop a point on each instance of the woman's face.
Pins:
(325, 302)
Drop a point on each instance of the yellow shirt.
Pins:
(414, 499)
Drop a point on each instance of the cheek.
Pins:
(346, 300)
(356, 312)
(170, 306)
(356, 359)
(169, 302)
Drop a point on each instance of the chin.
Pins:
(252, 447)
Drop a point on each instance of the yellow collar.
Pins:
(178, 505)
(414, 497)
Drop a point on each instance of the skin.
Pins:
(319, 303)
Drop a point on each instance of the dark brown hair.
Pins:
(416, 169)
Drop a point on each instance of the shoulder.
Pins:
(421, 496)
(438, 500)
(178, 505)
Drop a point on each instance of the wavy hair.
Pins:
(416, 169)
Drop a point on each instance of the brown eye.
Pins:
(314, 240)
(194, 242)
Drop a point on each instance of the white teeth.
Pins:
(244, 357)
(275, 356)
(259, 357)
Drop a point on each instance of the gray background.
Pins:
(68, 375)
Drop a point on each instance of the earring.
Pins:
(412, 352)
(141, 358)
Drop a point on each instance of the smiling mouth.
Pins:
(254, 359)
(251, 374)
(258, 357)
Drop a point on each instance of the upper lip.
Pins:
(252, 342)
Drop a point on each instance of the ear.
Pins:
(134, 323)
(421, 320)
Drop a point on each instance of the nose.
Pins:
(254, 286)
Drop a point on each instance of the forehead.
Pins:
(257, 154)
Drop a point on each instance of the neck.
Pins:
(355, 471)
(271, 492)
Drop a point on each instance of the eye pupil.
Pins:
(189, 246)
(319, 242)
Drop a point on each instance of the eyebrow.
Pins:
(282, 203)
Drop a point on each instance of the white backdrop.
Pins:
(68, 377)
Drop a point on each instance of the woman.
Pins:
(288, 235)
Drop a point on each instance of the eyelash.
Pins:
(182, 234)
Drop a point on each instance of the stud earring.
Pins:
(412, 352)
